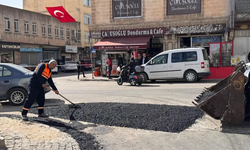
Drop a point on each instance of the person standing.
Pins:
(144, 59)
(120, 61)
(109, 64)
(37, 84)
(80, 68)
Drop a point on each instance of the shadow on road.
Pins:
(183, 81)
(7, 107)
(84, 140)
(139, 116)
(243, 128)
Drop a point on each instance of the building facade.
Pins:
(80, 10)
(28, 37)
(161, 25)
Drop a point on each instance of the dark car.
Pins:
(14, 81)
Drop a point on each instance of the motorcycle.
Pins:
(133, 78)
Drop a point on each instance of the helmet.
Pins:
(118, 69)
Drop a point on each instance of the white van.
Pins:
(191, 64)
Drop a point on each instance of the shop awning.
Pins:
(122, 43)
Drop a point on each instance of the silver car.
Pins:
(14, 81)
(69, 66)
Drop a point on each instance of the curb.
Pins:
(98, 80)
(2, 144)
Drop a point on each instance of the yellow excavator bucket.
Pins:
(225, 100)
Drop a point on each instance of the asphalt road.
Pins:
(206, 133)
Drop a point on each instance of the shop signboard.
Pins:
(134, 32)
(205, 40)
(30, 49)
(95, 34)
(204, 28)
(71, 49)
(10, 46)
(120, 47)
(180, 7)
(127, 8)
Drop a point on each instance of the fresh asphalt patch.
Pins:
(165, 118)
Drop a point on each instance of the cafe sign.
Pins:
(127, 8)
(133, 32)
(181, 7)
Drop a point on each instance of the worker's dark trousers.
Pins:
(110, 71)
(79, 72)
(33, 95)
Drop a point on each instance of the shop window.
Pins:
(49, 31)
(16, 25)
(162, 59)
(26, 27)
(67, 34)
(7, 24)
(6, 72)
(6, 57)
(185, 42)
(34, 28)
(43, 30)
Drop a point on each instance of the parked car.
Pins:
(87, 64)
(69, 66)
(29, 67)
(14, 81)
(55, 70)
(192, 64)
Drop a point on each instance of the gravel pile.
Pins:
(139, 116)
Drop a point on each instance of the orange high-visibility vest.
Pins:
(46, 72)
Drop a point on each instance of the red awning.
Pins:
(122, 43)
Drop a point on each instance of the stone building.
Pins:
(27, 37)
(80, 10)
(160, 25)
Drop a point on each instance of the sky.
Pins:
(12, 3)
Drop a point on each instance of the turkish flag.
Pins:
(60, 13)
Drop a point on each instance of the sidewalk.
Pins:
(44, 134)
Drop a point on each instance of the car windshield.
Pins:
(20, 68)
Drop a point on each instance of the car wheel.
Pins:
(132, 82)
(17, 96)
(191, 76)
(119, 81)
(145, 77)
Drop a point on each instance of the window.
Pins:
(87, 19)
(56, 32)
(49, 31)
(86, 37)
(7, 24)
(205, 55)
(16, 25)
(67, 34)
(34, 28)
(4, 72)
(78, 36)
(87, 3)
(43, 30)
(162, 59)
(26, 27)
(61, 33)
(184, 57)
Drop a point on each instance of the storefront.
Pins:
(30, 56)
(123, 42)
(212, 38)
(70, 53)
(9, 52)
(50, 52)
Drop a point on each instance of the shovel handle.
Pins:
(64, 98)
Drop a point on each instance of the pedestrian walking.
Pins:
(109, 64)
(37, 84)
(80, 68)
